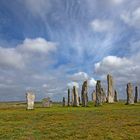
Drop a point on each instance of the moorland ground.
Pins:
(108, 122)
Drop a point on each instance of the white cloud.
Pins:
(9, 57)
(132, 18)
(37, 45)
(24, 53)
(44, 86)
(91, 82)
(80, 76)
(123, 69)
(71, 84)
(99, 25)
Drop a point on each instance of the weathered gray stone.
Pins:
(46, 102)
(129, 90)
(64, 102)
(75, 96)
(68, 97)
(136, 95)
(93, 96)
(98, 93)
(115, 96)
(103, 96)
(84, 94)
(110, 89)
(30, 98)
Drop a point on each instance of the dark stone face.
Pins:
(84, 94)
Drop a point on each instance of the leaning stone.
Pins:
(75, 97)
(98, 94)
(30, 98)
(110, 89)
(46, 102)
(136, 95)
(129, 90)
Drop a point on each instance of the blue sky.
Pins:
(50, 45)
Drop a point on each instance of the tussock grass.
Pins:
(108, 122)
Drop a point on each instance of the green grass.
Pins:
(108, 122)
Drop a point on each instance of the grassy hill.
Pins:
(108, 122)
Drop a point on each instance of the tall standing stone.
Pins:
(93, 96)
(110, 89)
(129, 90)
(75, 96)
(115, 96)
(79, 100)
(103, 95)
(98, 93)
(84, 94)
(68, 97)
(136, 95)
(64, 102)
(30, 98)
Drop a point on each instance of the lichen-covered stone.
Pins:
(103, 95)
(84, 94)
(30, 98)
(110, 94)
(75, 96)
(98, 93)
(129, 90)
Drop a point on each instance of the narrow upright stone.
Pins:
(64, 102)
(84, 94)
(75, 97)
(129, 90)
(103, 95)
(68, 97)
(93, 96)
(30, 98)
(115, 96)
(136, 95)
(98, 93)
(110, 89)
(79, 100)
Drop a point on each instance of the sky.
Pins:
(48, 46)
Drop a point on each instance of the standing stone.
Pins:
(30, 98)
(75, 97)
(98, 93)
(129, 90)
(84, 94)
(136, 95)
(103, 95)
(115, 96)
(110, 89)
(46, 102)
(68, 97)
(64, 102)
(79, 100)
(94, 96)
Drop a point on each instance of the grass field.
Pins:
(109, 122)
